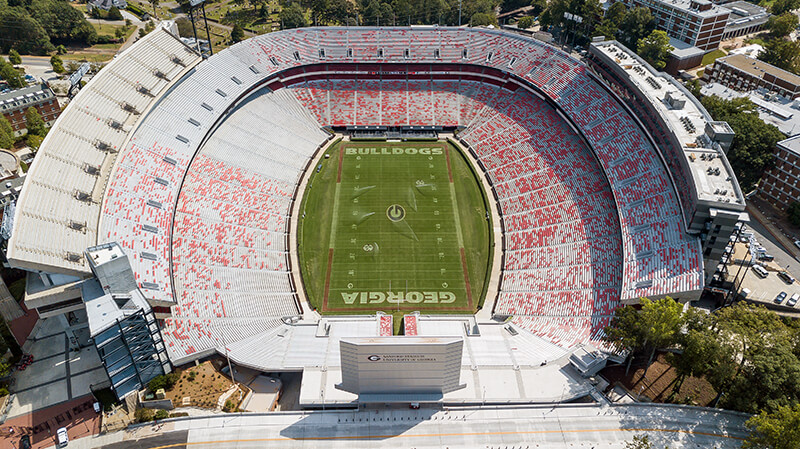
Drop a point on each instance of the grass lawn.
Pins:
(89, 57)
(396, 227)
(712, 56)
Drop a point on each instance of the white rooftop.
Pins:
(103, 253)
(711, 173)
(775, 109)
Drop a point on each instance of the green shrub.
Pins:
(178, 414)
(143, 415)
(165, 381)
(162, 414)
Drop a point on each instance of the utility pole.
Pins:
(459, 12)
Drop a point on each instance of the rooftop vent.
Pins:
(83, 196)
(143, 90)
(175, 59)
(103, 146)
(159, 74)
(91, 169)
(77, 225)
(127, 107)
(73, 257)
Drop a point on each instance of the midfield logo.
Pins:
(399, 297)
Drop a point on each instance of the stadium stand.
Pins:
(64, 192)
(590, 213)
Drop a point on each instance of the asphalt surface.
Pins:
(782, 257)
(173, 440)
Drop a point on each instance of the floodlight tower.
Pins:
(193, 4)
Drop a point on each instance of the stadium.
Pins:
(308, 187)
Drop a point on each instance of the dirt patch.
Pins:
(203, 385)
(660, 383)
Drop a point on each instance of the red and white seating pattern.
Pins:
(554, 198)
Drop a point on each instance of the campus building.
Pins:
(698, 23)
(14, 104)
(780, 185)
(743, 73)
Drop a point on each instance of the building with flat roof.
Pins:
(746, 18)
(693, 145)
(744, 74)
(780, 185)
(772, 109)
(14, 104)
(699, 23)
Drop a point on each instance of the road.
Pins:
(562, 426)
(782, 257)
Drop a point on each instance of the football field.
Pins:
(383, 229)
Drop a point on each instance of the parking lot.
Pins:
(765, 290)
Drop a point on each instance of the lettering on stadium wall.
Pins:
(393, 150)
(399, 297)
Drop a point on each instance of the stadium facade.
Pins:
(610, 181)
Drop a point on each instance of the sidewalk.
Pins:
(761, 212)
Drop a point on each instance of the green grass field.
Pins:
(394, 227)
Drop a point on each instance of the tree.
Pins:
(538, 7)
(793, 213)
(655, 326)
(154, 3)
(237, 33)
(57, 64)
(782, 25)
(11, 75)
(20, 31)
(292, 16)
(6, 133)
(482, 19)
(782, 6)
(754, 141)
(639, 442)
(611, 21)
(61, 50)
(14, 57)
(34, 123)
(782, 53)
(638, 23)
(776, 430)
(114, 14)
(62, 22)
(655, 49)
(525, 22)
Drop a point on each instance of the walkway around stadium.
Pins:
(561, 426)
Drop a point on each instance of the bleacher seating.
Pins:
(202, 205)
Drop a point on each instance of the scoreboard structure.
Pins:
(398, 369)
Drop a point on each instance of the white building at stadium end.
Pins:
(693, 145)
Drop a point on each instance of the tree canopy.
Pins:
(237, 33)
(34, 123)
(653, 327)
(783, 24)
(14, 57)
(793, 213)
(779, 429)
(6, 133)
(782, 53)
(655, 49)
(11, 75)
(292, 16)
(637, 24)
(754, 142)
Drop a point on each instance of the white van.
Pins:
(760, 271)
(61, 437)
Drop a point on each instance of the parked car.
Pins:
(781, 296)
(793, 300)
(62, 437)
(760, 271)
(786, 277)
(797, 243)
(25, 442)
(766, 257)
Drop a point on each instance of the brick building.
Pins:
(780, 185)
(14, 104)
(698, 23)
(744, 74)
